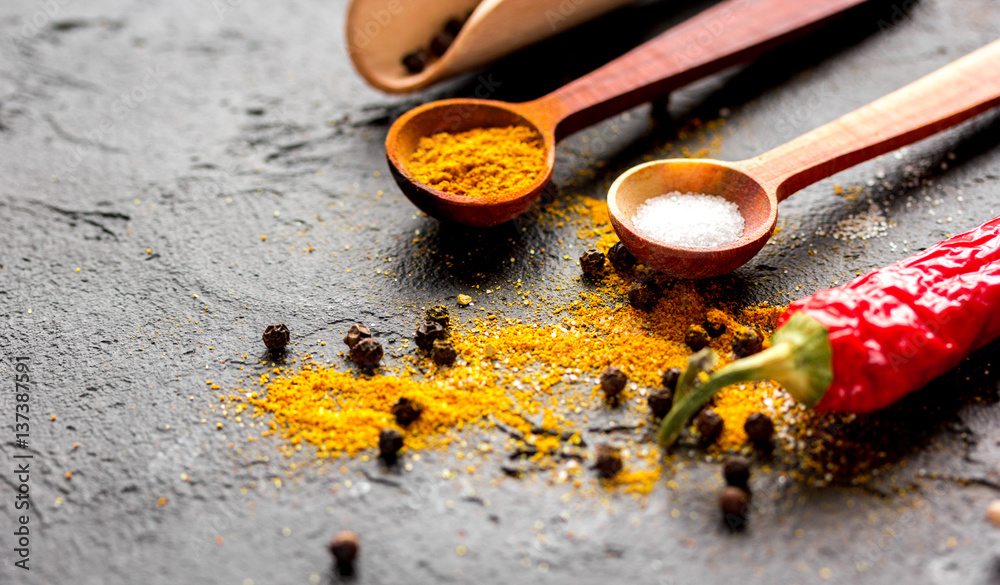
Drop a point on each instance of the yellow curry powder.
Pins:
(487, 163)
(340, 413)
(517, 377)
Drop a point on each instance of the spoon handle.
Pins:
(947, 97)
(728, 33)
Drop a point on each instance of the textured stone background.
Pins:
(245, 119)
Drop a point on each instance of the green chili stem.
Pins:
(800, 359)
(702, 361)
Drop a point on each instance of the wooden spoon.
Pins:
(730, 32)
(380, 32)
(940, 100)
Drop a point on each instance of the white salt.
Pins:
(691, 220)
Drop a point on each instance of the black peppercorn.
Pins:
(416, 61)
(660, 400)
(759, 427)
(439, 314)
(356, 333)
(696, 338)
(592, 263)
(735, 505)
(443, 353)
(642, 296)
(276, 336)
(454, 26)
(671, 377)
(608, 461)
(714, 328)
(406, 411)
(389, 444)
(709, 426)
(441, 42)
(736, 471)
(613, 381)
(621, 258)
(659, 282)
(367, 352)
(427, 334)
(746, 342)
(345, 547)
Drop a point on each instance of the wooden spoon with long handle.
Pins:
(940, 100)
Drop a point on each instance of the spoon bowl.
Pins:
(453, 116)
(648, 71)
(758, 208)
(380, 32)
(937, 101)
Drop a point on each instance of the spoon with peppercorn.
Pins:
(728, 33)
(401, 46)
(707, 195)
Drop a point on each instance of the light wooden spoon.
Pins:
(940, 100)
(728, 33)
(381, 32)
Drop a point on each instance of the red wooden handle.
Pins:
(726, 34)
(940, 100)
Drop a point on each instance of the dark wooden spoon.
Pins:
(726, 34)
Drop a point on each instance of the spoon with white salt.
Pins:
(696, 218)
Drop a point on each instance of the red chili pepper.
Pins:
(864, 345)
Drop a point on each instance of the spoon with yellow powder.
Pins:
(483, 162)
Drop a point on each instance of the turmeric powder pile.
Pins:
(488, 163)
(507, 372)
(342, 414)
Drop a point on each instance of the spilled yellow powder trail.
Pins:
(342, 413)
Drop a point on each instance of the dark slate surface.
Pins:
(193, 128)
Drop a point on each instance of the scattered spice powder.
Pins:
(537, 383)
(342, 414)
(510, 372)
(487, 163)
